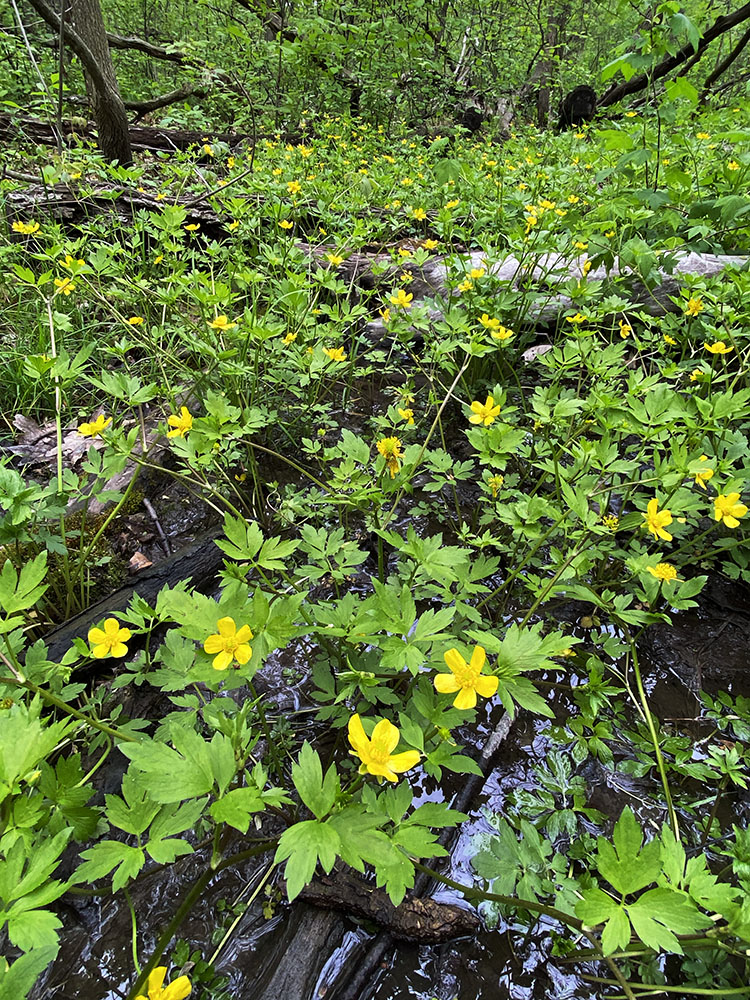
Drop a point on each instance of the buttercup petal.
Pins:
(386, 733)
(213, 644)
(357, 735)
(96, 635)
(111, 626)
(454, 660)
(222, 661)
(486, 686)
(99, 652)
(478, 657)
(466, 698)
(119, 649)
(226, 627)
(244, 633)
(446, 683)
(404, 761)
(177, 990)
(155, 980)
(243, 653)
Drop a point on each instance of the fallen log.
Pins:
(423, 920)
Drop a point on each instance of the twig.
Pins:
(165, 543)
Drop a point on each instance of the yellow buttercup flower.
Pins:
(663, 571)
(294, 187)
(286, 224)
(656, 520)
(477, 272)
(718, 348)
(728, 509)
(109, 641)
(335, 353)
(333, 258)
(376, 753)
(180, 424)
(466, 678)
(406, 414)
(495, 484)
(489, 322)
(221, 323)
(703, 475)
(290, 338)
(669, 340)
(453, 203)
(733, 165)
(419, 214)
(390, 449)
(192, 227)
(484, 413)
(177, 990)
(135, 320)
(625, 329)
(229, 643)
(694, 306)
(64, 285)
(502, 333)
(430, 244)
(95, 427)
(401, 299)
(577, 319)
(26, 228)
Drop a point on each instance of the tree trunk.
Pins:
(106, 102)
(83, 30)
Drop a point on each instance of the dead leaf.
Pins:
(536, 351)
(138, 562)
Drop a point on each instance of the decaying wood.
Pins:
(423, 920)
(197, 562)
(142, 138)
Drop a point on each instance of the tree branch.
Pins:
(642, 80)
(154, 103)
(76, 43)
(149, 49)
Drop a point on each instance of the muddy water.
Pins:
(300, 953)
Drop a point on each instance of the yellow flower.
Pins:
(631, 114)
(180, 424)
(586, 267)
(192, 227)
(502, 333)
(64, 285)
(669, 340)
(663, 571)
(611, 521)
(625, 329)
(703, 475)
(94, 428)
(208, 149)
(728, 509)
(579, 245)
(335, 353)
(694, 306)
(231, 162)
(135, 320)
(407, 415)
(376, 753)
(386, 314)
(234, 224)
(697, 374)
(466, 678)
(286, 224)
(290, 338)
(465, 285)
(609, 234)
(657, 520)
(404, 252)
(221, 323)
(489, 322)
(430, 244)
(419, 214)
(573, 199)
(484, 413)
(453, 203)
(718, 348)
(294, 187)
(577, 319)
(495, 484)
(26, 228)
(477, 272)
(109, 641)
(177, 990)
(390, 449)
(702, 135)
(333, 258)
(733, 165)
(401, 299)
(229, 643)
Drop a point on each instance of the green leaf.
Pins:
(16, 980)
(317, 793)
(107, 856)
(18, 592)
(623, 864)
(304, 845)
(169, 775)
(237, 806)
(34, 929)
(661, 913)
